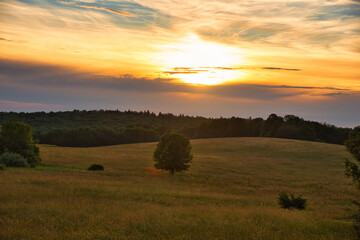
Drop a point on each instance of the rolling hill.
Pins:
(230, 192)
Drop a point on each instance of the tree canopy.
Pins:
(352, 169)
(353, 146)
(173, 153)
(16, 137)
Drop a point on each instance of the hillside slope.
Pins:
(230, 192)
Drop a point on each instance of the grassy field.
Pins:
(230, 192)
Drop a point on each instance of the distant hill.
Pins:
(108, 127)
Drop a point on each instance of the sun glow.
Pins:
(198, 62)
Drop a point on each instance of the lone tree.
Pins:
(352, 168)
(173, 153)
(16, 137)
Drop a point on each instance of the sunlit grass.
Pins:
(230, 192)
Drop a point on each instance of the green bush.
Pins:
(287, 201)
(96, 167)
(13, 160)
(284, 200)
(2, 166)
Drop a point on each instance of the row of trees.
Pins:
(45, 121)
(289, 126)
(81, 128)
(92, 137)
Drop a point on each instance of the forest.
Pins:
(110, 127)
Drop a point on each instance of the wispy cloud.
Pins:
(183, 72)
(22, 105)
(284, 69)
(12, 40)
(192, 70)
(4, 39)
(123, 13)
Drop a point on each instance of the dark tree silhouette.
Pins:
(16, 137)
(352, 168)
(173, 153)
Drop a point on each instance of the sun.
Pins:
(192, 60)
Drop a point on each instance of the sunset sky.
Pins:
(201, 57)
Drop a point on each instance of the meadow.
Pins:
(230, 192)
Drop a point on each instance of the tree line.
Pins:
(99, 128)
(115, 119)
(93, 137)
(290, 126)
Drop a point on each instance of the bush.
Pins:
(96, 167)
(13, 160)
(284, 200)
(2, 166)
(289, 201)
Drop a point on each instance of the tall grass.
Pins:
(230, 192)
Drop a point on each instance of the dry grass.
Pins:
(230, 192)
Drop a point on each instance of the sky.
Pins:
(202, 57)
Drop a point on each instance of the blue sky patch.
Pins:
(337, 12)
(256, 34)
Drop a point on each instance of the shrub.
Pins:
(284, 200)
(2, 166)
(298, 202)
(96, 167)
(287, 201)
(13, 160)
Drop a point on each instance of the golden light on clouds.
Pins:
(135, 54)
(208, 77)
(195, 61)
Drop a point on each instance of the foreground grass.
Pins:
(230, 192)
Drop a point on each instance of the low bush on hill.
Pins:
(96, 167)
(13, 160)
(289, 201)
